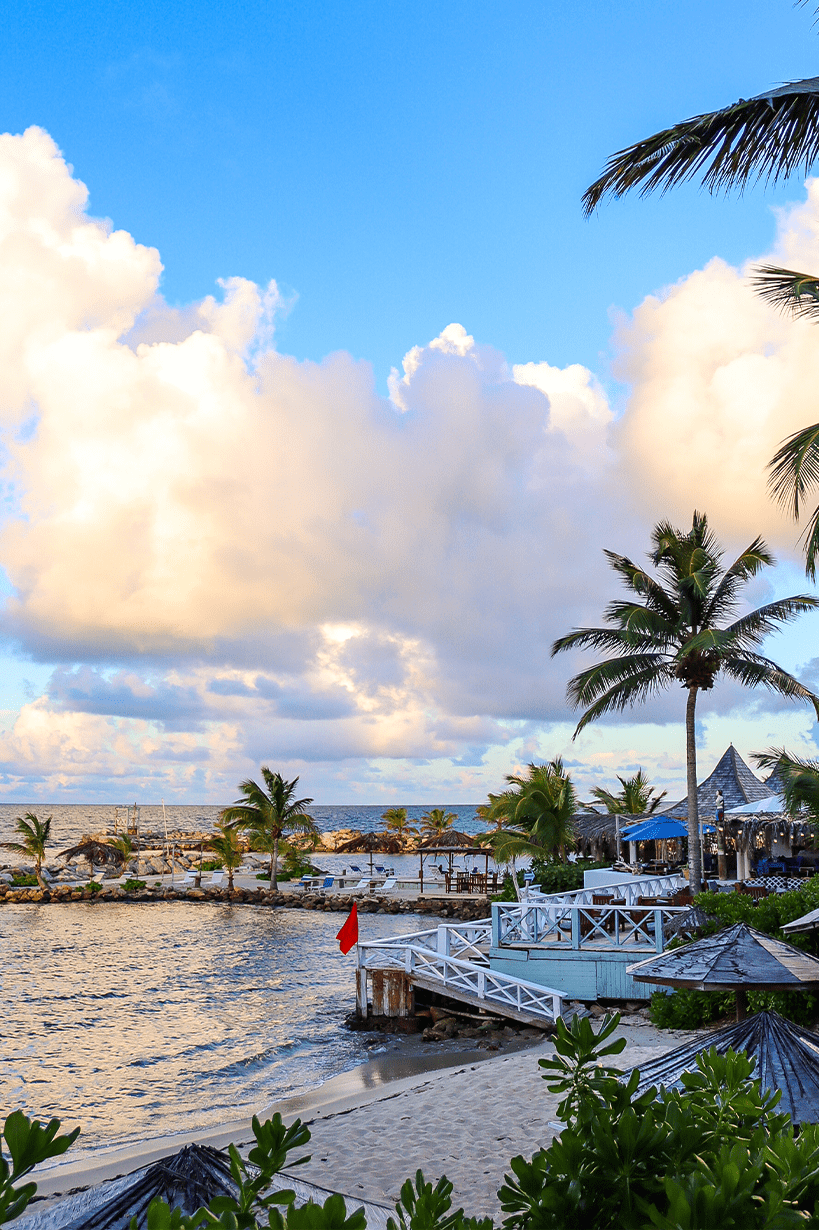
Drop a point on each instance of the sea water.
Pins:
(134, 1019)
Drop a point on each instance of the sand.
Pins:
(374, 1127)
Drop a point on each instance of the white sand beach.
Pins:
(370, 1133)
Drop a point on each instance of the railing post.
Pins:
(408, 960)
(496, 924)
(481, 984)
(575, 926)
(658, 929)
(443, 939)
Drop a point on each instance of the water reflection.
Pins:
(131, 1019)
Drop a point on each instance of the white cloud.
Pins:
(233, 555)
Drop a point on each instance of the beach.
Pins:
(372, 1128)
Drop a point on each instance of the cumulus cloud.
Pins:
(229, 555)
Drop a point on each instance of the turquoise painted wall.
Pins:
(579, 974)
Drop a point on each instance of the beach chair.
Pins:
(217, 878)
(357, 870)
(97, 877)
(388, 885)
(362, 885)
(189, 879)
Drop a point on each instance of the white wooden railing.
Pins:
(466, 941)
(454, 975)
(627, 890)
(598, 927)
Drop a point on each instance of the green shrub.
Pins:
(23, 879)
(687, 1009)
(93, 886)
(563, 877)
(134, 886)
(212, 864)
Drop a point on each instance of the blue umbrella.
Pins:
(661, 829)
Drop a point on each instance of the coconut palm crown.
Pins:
(227, 846)
(680, 628)
(34, 835)
(436, 820)
(799, 778)
(270, 814)
(533, 818)
(636, 798)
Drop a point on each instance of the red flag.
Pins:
(348, 935)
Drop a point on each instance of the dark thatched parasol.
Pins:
(450, 839)
(787, 1058)
(371, 843)
(735, 959)
(95, 852)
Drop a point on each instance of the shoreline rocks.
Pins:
(463, 911)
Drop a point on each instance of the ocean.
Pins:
(134, 1019)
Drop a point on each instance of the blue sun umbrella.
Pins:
(661, 829)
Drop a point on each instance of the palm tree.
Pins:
(436, 820)
(125, 845)
(799, 778)
(395, 821)
(270, 815)
(499, 811)
(770, 137)
(534, 820)
(636, 798)
(226, 844)
(674, 631)
(34, 837)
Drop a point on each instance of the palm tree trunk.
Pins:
(274, 881)
(38, 871)
(270, 877)
(694, 848)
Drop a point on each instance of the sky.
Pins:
(320, 397)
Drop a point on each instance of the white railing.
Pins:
(626, 890)
(466, 941)
(583, 926)
(501, 991)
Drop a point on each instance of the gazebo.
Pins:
(450, 842)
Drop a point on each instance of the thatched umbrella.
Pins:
(95, 852)
(371, 843)
(787, 1058)
(735, 959)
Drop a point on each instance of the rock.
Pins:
(597, 1010)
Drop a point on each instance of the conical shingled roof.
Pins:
(736, 781)
(787, 1058)
(738, 957)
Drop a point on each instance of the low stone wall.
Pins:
(463, 911)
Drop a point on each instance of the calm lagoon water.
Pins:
(136, 1019)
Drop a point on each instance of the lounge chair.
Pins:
(362, 885)
(388, 885)
(189, 878)
(328, 881)
(357, 870)
(217, 877)
(97, 877)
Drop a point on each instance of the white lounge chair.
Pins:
(217, 878)
(388, 885)
(362, 885)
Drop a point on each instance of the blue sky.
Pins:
(395, 169)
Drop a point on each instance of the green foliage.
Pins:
(563, 877)
(212, 864)
(636, 797)
(93, 886)
(424, 1207)
(687, 1009)
(29, 1143)
(436, 821)
(34, 836)
(23, 879)
(267, 815)
(134, 886)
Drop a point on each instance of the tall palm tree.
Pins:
(395, 821)
(34, 837)
(770, 137)
(637, 796)
(270, 814)
(674, 631)
(436, 820)
(535, 816)
(226, 844)
(499, 811)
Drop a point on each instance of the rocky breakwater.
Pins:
(462, 911)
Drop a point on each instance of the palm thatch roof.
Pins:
(94, 851)
(371, 843)
(449, 839)
(787, 1058)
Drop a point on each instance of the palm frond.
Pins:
(767, 137)
(642, 583)
(795, 467)
(787, 290)
(752, 628)
(616, 640)
(624, 693)
(746, 566)
(640, 621)
(753, 670)
(587, 686)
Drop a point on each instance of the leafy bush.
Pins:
(212, 864)
(563, 877)
(714, 1154)
(23, 879)
(134, 886)
(687, 1009)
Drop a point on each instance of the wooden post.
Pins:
(361, 992)
(742, 1004)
